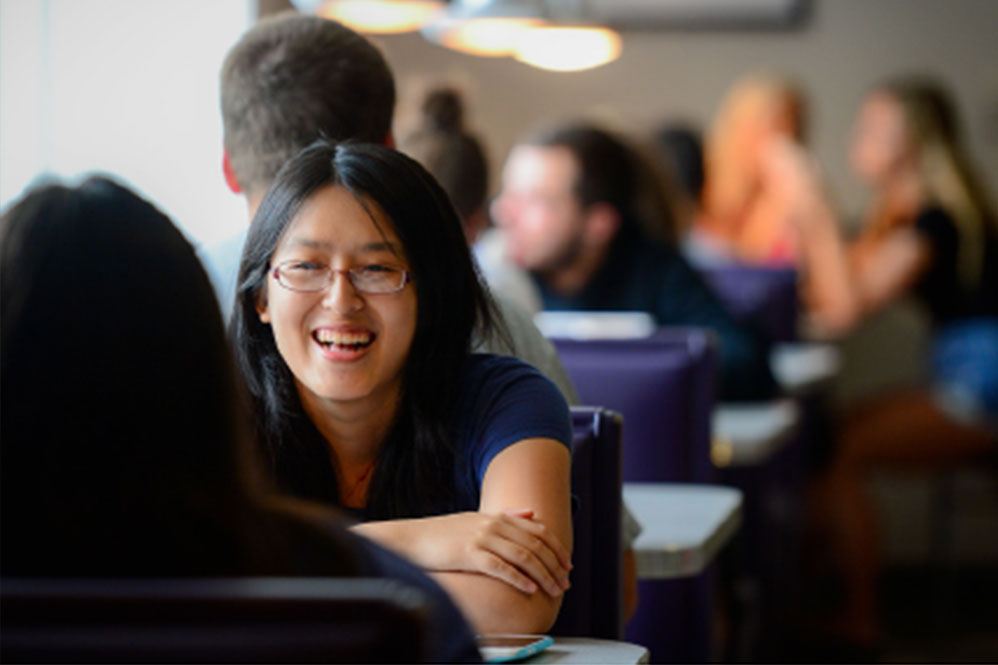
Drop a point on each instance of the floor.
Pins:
(958, 622)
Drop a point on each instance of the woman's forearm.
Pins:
(398, 535)
(828, 289)
(492, 606)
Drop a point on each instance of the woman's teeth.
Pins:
(343, 338)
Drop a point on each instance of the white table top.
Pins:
(804, 367)
(595, 325)
(684, 526)
(589, 650)
(748, 434)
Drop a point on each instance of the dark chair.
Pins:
(246, 620)
(763, 297)
(664, 386)
(592, 607)
(762, 568)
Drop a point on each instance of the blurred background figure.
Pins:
(744, 214)
(679, 150)
(456, 158)
(930, 232)
(586, 217)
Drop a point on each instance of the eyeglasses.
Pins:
(309, 276)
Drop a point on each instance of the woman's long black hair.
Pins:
(415, 471)
(125, 448)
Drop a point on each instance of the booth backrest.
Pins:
(245, 620)
(592, 606)
(664, 387)
(764, 297)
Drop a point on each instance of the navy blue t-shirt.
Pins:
(502, 400)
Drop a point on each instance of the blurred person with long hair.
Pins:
(743, 214)
(931, 233)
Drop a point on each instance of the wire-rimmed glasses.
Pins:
(309, 276)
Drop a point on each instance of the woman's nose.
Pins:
(341, 295)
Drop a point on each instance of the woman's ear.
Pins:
(262, 309)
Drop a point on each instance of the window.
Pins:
(124, 88)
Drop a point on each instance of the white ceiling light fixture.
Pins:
(549, 34)
(543, 33)
(375, 16)
(563, 48)
(489, 28)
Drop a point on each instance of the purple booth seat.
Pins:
(765, 560)
(219, 620)
(592, 607)
(664, 386)
(764, 297)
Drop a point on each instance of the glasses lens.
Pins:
(303, 276)
(378, 278)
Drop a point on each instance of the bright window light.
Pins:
(124, 88)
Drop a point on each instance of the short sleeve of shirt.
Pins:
(938, 229)
(939, 287)
(503, 400)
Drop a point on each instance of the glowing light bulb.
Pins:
(381, 16)
(486, 36)
(567, 49)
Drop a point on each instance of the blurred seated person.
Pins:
(679, 149)
(456, 158)
(125, 449)
(583, 214)
(744, 216)
(931, 232)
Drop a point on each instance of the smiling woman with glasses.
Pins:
(356, 305)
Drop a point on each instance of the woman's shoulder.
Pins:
(490, 377)
(500, 393)
(496, 366)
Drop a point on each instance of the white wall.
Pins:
(128, 87)
(845, 47)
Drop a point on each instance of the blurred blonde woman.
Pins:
(744, 215)
(930, 233)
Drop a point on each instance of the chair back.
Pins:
(764, 297)
(592, 607)
(246, 620)
(664, 386)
